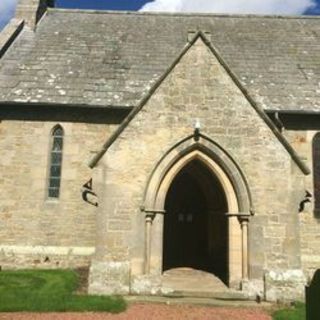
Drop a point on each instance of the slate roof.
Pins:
(113, 59)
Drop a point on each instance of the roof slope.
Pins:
(200, 35)
(113, 59)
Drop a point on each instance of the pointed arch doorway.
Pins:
(195, 231)
(208, 181)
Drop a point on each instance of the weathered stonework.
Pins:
(36, 231)
(197, 100)
(109, 278)
(146, 285)
(44, 257)
(288, 285)
(254, 288)
(31, 11)
(309, 226)
(196, 88)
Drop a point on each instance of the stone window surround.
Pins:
(52, 137)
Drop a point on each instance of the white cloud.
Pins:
(7, 9)
(231, 6)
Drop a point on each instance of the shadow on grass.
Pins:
(50, 291)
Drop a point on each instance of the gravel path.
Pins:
(149, 311)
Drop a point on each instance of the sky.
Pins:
(281, 7)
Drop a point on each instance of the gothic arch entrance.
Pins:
(197, 181)
(195, 225)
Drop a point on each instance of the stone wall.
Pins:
(37, 231)
(309, 219)
(284, 286)
(198, 88)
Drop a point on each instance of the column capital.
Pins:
(151, 211)
(238, 214)
(243, 219)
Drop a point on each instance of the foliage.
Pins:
(296, 312)
(49, 291)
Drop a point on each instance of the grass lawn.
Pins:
(50, 290)
(297, 312)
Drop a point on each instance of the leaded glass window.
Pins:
(55, 162)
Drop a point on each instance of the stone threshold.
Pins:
(198, 301)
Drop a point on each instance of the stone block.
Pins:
(146, 284)
(109, 277)
(254, 289)
(284, 286)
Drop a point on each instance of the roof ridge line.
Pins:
(182, 14)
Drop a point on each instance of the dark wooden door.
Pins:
(185, 227)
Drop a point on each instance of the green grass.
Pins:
(50, 291)
(296, 312)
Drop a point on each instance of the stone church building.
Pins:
(139, 144)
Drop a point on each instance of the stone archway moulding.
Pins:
(236, 191)
(207, 151)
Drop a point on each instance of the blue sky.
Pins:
(102, 4)
(294, 7)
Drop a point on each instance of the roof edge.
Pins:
(303, 167)
(9, 34)
(293, 111)
(31, 11)
(294, 155)
(141, 104)
(193, 14)
(62, 105)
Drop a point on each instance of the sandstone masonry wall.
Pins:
(34, 229)
(199, 88)
(309, 220)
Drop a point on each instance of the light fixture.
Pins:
(197, 126)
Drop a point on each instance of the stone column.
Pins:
(150, 216)
(238, 247)
(244, 220)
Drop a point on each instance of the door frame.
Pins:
(211, 207)
(238, 199)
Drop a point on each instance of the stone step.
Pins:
(207, 301)
(228, 296)
(188, 282)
